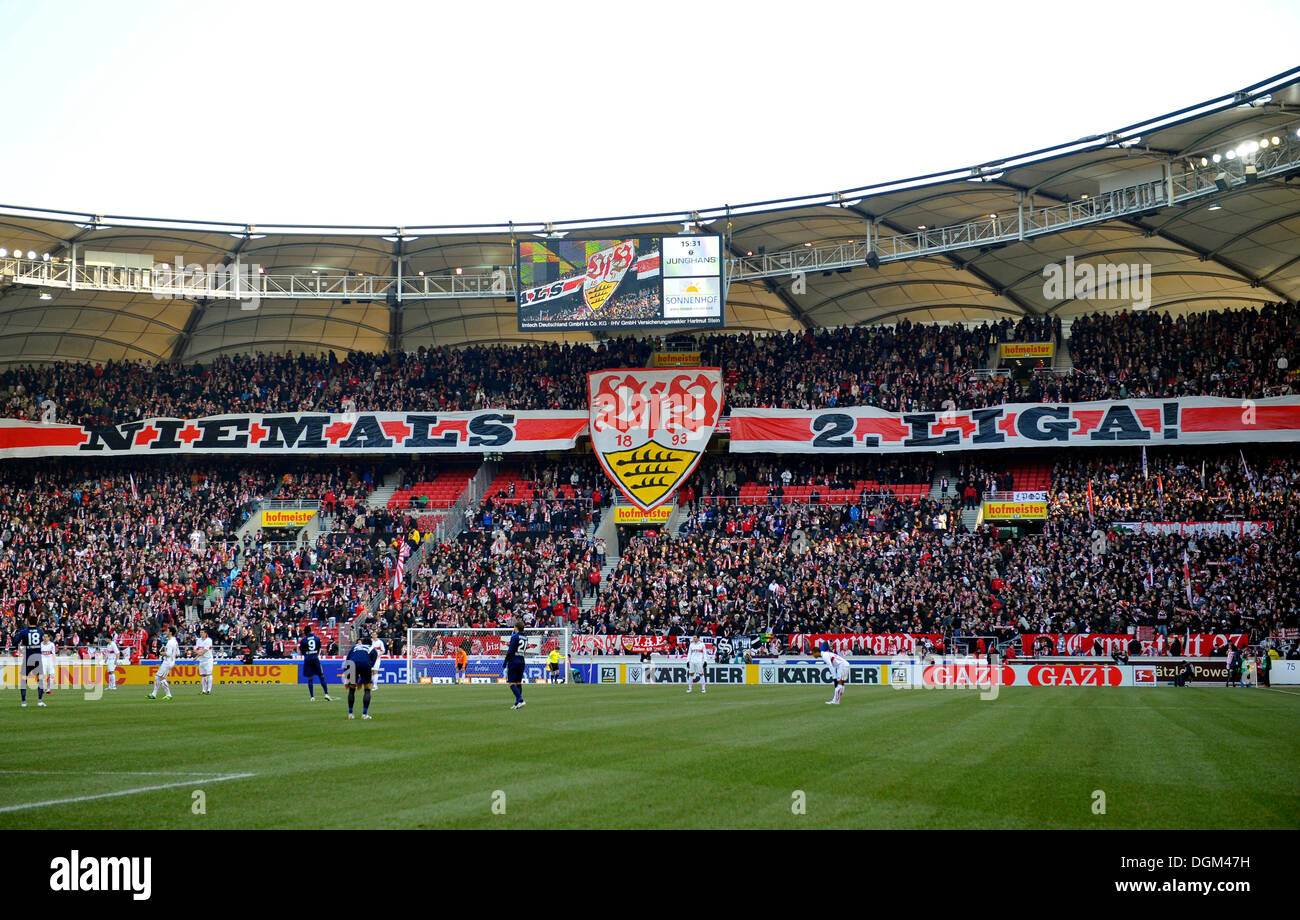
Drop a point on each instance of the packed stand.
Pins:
(904, 367)
(810, 570)
(96, 547)
(543, 376)
(561, 497)
(1207, 484)
(486, 579)
(1230, 353)
(102, 547)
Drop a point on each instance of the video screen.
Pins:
(627, 283)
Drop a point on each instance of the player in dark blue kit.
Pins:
(514, 664)
(29, 652)
(310, 649)
(358, 670)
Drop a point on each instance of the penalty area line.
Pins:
(212, 778)
(1276, 690)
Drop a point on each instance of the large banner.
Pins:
(809, 643)
(649, 428)
(629, 645)
(678, 410)
(308, 433)
(871, 643)
(1187, 420)
(1195, 645)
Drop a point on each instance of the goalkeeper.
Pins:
(514, 664)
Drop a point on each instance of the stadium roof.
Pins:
(1206, 197)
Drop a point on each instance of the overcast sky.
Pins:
(414, 113)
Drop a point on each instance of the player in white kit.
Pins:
(170, 652)
(378, 648)
(203, 652)
(112, 652)
(839, 668)
(48, 651)
(695, 653)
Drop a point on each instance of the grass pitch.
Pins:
(654, 757)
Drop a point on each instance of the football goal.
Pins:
(431, 654)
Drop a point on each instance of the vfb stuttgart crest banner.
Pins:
(649, 427)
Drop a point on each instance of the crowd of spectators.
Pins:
(278, 585)
(905, 367)
(485, 579)
(338, 487)
(537, 516)
(902, 367)
(1232, 353)
(542, 376)
(887, 564)
(975, 475)
(96, 547)
(809, 571)
(1205, 484)
(92, 548)
(540, 497)
(1029, 329)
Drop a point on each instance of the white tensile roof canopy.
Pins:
(1207, 197)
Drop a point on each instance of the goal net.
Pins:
(431, 654)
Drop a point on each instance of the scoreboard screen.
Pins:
(620, 283)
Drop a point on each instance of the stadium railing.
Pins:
(287, 504)
(453, 522)
(280, 546)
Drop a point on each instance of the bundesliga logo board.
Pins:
(627, 283)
